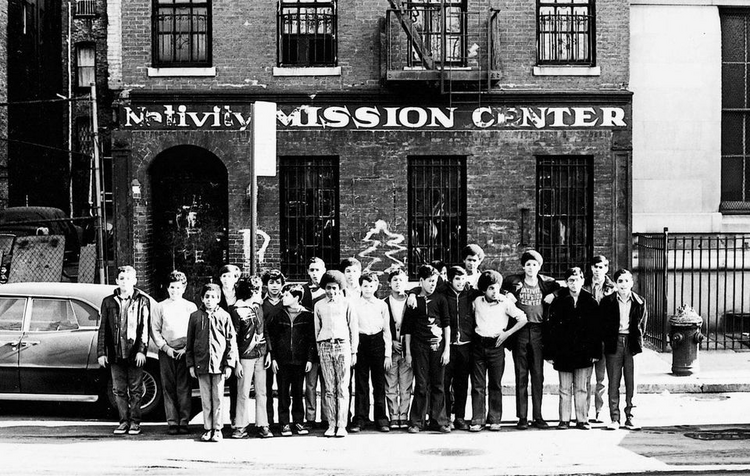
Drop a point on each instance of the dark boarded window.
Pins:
(182, 33)
(437, 210)
(735, 114)
(564, 212)
(565, 32)
(307, 33)
(309, 213)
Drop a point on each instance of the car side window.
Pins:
(86, 315)
(52, 315)
(11, 313)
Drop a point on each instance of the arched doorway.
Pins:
(190, 216)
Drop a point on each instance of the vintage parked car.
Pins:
(48, 336)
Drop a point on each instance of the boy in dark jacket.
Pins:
(292, 347)
(122, 344)
(572, 343)
(625, 316)
(533, 292)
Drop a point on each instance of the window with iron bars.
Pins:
(435, 20)
(307, 33)
(181, 33)
(85, 8)
(565, 32)
(309, 225)
(735, 114)
(436, 209)
(564, 212)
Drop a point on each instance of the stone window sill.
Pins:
(314, 71)
(567, 71)
(181, 72)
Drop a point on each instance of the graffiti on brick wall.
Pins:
(264, 246)
(246, 251)
(381, 239)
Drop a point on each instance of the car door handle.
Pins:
(29, 343)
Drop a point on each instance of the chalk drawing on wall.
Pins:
(378, 237)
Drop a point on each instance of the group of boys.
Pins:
(419, 348)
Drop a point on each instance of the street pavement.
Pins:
(691, 425)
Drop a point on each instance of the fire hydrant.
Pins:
(685, 337)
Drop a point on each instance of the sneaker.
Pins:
(460, 424)
(330, 432)
(135, 429)
(121, 429)
(583, 426)
(301, 429)
(413, 429)
(384, 429)
(172, 430)
(563, 425)
(615, 425)
(217, 436)
(395, 425)
(403, 424)
(523, 424)
(286, 430)
(206, 436)
(444, 429)
(239, 433)
(341, 432)
(494, 426)
(631, 425)
(476, 428)
(355, 428)
(540, 424)
(184, 430)
(264, 432)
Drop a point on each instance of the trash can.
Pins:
(685, 338)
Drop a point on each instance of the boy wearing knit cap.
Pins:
(533, 292)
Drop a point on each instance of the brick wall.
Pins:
(3, 98)
(247, 31)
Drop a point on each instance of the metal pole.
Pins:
(70, 109)
(97, 190)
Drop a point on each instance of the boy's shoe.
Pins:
(384, 429)
(395, 425)
(596, 419)
(540, 424)
(239, 433)
(563, 425)
(615, 425)
(217, 436)
(355, 428)
(631, 425)
(460, 424)
(121, 429)
(172, 430)
(264, 432)
(286, 430)
(494, 426)
(301, 429)
(403, 424)
(476, 428)
(206, 436)
(523, 424)
(330, 432)
(413, 429)
(341, 432)
(135, 429)
(184, 430)
(444, 429)
(583, 426)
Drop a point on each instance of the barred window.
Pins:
(565, 32)
(437, 210)
(182, 33)
(564, 212)
(432, 20)
(309, 225)
(735, 115)
(307, 33)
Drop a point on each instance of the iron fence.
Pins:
(707, 271)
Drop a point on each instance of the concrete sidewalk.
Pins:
(719, 371)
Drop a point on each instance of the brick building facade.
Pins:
(400, 135)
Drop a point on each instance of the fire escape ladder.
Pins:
(410, 28)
